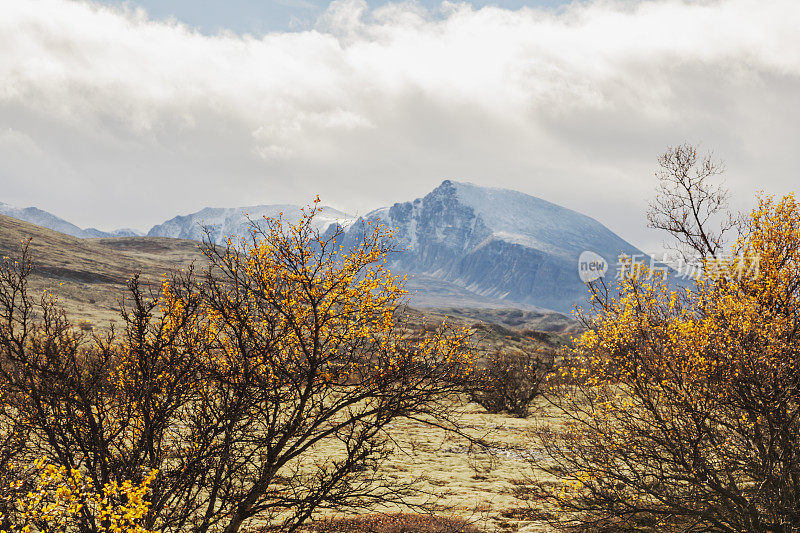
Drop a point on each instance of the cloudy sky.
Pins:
(125, 114)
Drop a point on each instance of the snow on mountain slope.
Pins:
(223, 222)
(462, 243)
(498, 244)
(518, 218)
(48, 220)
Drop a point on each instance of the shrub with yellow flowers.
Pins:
(61, 500)
(255, 391)
(682, 407)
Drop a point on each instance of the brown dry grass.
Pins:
(89, 276)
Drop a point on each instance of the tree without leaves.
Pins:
(260, 389)
(688, 201)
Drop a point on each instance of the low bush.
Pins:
(510, 381)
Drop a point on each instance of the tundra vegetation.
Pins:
(280, 388)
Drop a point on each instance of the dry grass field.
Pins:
(482, 485)
(479, 485)
(483, 488)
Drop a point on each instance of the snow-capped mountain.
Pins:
(498, 244)
(48, 220)
(463, 245)
(223, 222)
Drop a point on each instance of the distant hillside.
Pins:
(36, 216)
(90, 275)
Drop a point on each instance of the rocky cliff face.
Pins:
(498, 244)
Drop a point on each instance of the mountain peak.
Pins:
(520, 218)
(498, 243)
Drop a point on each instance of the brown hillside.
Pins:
(89, 276)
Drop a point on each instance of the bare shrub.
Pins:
(510, 381)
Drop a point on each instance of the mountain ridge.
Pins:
(223, 222)
(89, 277)
(478, 246)
(37, 216)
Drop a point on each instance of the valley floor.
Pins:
(485, 486)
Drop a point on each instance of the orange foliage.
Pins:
(684, 406)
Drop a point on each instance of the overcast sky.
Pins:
(112, 115)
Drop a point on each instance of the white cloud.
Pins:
(135, 120)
